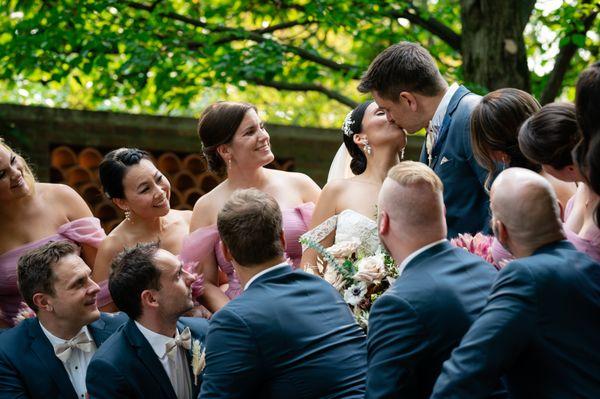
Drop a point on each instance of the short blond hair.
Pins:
(410, 173)
(28, 174)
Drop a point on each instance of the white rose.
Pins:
(371, 269)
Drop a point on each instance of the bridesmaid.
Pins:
(32, 214)
(235, 143)
(133, 183)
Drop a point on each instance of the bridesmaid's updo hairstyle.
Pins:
(218, 124)
(353, 125)
(549, 136)
(113, 167)
(495, 124)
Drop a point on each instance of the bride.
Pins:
(346, 208)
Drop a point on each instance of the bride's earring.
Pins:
(366, 145)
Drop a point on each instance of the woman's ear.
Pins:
(121, 203)
(359, 138)
(224, 151)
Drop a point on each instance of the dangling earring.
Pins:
(402, 154)
(366, 145)
(127, 215)
(229, 163)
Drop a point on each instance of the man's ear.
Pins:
(410, 100)
(148, 299)
(383, 223)
(43, 301)
(282, 239)
(502, 233)
(226, 253)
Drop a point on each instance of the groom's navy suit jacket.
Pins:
(127, 367)
(465, 198)
(540, 328)
(416, 323)
(289, 335)
(30, 369)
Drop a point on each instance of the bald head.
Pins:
(411, 196)
(526, 204)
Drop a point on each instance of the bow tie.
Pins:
(80, 341)
(184, 340)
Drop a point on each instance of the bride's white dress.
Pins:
(348, 224)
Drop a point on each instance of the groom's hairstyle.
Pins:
(404, 66)
(133, 271)
(35, 269)
(250, 226)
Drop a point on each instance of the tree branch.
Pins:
(434, 26)
(334, 95)
(352, 70)
(561, 65)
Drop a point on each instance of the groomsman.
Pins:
(541, 325)
(151, 356)
(406, 83)
(441, 289)
(47, 356)
(289, 334)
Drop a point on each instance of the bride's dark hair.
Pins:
(353, 125)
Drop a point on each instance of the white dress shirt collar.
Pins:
(416, 253)
(270, 269)
(54, 340)
(157, 341)
(440, 112)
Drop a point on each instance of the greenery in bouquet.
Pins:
(359, 277)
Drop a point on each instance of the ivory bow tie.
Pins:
(184, 339)
(80, 341)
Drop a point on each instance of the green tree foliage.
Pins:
(297, 59)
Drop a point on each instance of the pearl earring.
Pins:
(229, 163)
(127, 215)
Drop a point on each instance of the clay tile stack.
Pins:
(187, 173)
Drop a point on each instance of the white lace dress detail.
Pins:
(348, 224)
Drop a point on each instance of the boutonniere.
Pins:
(198, 359)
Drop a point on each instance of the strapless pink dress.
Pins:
(588, 244)
(81, 231)
(205, 242)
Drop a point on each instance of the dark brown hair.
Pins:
(34, 269)
(549, 136)
(587, 98)
(133, 271)
(217, 125)
(250, 224)
(404, 66)
(114, 166)
(495, 124)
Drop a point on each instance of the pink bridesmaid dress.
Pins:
(81, 231)
(205, 242)
(589, 243)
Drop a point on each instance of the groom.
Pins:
(289, 334)
(406, 83)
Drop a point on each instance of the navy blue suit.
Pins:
(540, 328)
(30, 369)
(289, 335)
(127, 367)
(414, 326)
(467, 203)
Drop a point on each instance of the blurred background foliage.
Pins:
(298, 60)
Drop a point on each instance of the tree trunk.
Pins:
(493, 47)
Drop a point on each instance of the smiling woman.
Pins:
(235, 143)
(142, 192)
(33, 214)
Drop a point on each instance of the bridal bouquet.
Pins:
(360, 278)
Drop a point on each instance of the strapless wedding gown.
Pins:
(348, 225)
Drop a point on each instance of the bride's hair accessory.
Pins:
(353, 122)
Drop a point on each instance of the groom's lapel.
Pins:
(188, 355)
(149, 359)
(51, 365)
(441, 138)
